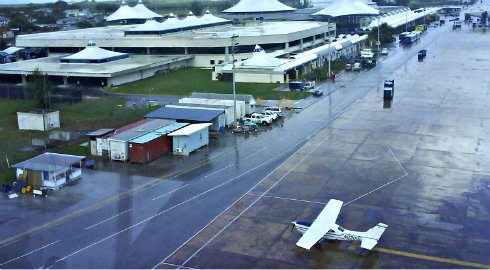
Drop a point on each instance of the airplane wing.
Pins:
(324, 222)
(368, 243)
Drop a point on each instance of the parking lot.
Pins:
(419, 164)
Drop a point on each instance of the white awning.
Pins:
(190, 129)
(347, 7)
(12, 50)
(143, 10)
(262, 6)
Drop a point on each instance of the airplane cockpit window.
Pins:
(341, 229)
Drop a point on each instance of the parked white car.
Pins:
(384, 51)
(276, 110)
(259, 119)
(271, 114)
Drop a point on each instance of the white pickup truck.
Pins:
(259, 118)
(367, 53)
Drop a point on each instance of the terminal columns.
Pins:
(314, 40)
(65, 80)
(301, 44)
(227, 54)
(286, 47)
(148, 50)
(24, 78)
(186, 51)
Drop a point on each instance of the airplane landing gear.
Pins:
(318, 245)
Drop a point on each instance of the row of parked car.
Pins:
(266, 117)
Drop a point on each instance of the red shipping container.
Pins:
(148, 151)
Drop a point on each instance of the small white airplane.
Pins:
(324, 227)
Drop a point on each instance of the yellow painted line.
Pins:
(104, 202)
(355, 245)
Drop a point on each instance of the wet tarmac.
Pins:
(421, 166)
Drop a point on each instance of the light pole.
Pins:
(424, 18)
(329, 51)
(378, 42)
(406, 20)
(233, 37)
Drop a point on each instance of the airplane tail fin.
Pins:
(371, 237)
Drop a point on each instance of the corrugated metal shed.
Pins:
(201, 115)
(152, 145)
(140, 130)
(159, 132)
(190, 138)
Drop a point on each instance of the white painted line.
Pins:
(380, 187)
(11, 243)
(179, 266)
(399, 163)
(165, 194)
(218, 171)
(262, 149)
(265, 192)
(209, 223)
(285, 198)
(171, 208)
(27, 254)
(108, 219)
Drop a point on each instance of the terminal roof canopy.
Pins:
(93, 54)
(261, 59)
(262, 6)
(125, 12)
(347, 7)
(142, 9)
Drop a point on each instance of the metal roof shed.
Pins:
(49, 170)
(92, 138)
(215, 117)
(152, 145)
(118, 144)
(190, 138)
(248, 99)
(228, 110)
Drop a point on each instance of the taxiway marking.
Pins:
(424, 257)
(29, 253)
(217, 171)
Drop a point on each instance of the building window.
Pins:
(200, 136)
(45, 175)
(211, 62)
(220, 61)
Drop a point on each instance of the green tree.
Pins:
(301, 3)
(84, 24)
(196, 8)
(40, 86)
(386, 33)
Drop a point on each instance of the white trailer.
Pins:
(240, 105)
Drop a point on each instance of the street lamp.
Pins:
(378, 42)
(233, 37)
(406, 20)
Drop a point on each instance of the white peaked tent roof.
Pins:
(261, 59)
(257, 6)
(93, 52)
(210, 18)
(190, 20)
(149, 25)
(125, 12)
(347, 7)
(142, 9)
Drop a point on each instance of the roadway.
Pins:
(145, 228)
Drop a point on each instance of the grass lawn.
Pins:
(186, 81)
(84, 116)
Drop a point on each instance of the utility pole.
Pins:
(424, 19)
(406, 20)
(329, 51)
(233, 37)
(378, 42)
